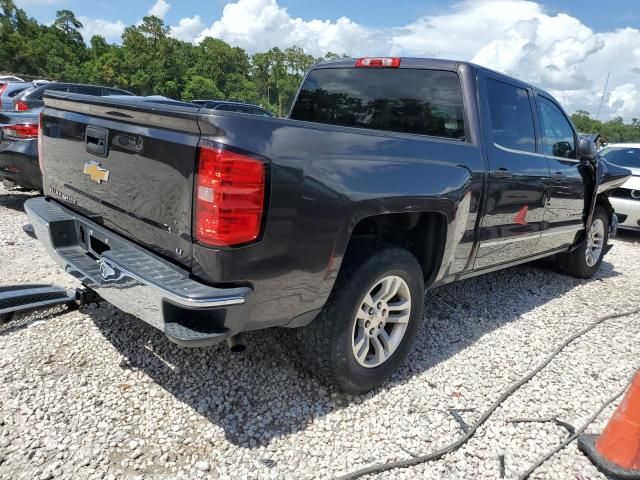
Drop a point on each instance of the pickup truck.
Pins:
(390, 176)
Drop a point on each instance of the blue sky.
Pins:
(367, 12)
(565, 46)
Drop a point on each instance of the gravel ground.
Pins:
(98, 394)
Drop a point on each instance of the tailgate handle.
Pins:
(97, 141)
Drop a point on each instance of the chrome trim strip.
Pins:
(542, 234)
(183, 301)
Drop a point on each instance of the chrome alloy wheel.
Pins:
(595, 242)
(381, 321)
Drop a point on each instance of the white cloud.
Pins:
(518, 37)
(159, 9)
(111, 31)
(188, 29)
(625, 100)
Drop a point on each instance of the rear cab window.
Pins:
(416, 101)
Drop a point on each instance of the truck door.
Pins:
(518, 172)
(563, 217)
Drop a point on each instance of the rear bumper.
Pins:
(137, 281)
(628, 212)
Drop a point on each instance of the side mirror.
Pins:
(562, 149)
(587, 149)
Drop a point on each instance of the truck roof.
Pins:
(432, 63)
(406, 62)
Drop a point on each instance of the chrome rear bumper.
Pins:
(136, 280)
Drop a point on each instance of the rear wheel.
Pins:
(585, 260)
(369, 324)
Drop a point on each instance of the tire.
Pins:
(330, 342)
(577, 263)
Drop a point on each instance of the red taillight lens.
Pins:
(21, 106)
(229, 197)
(3, 87)
(41, 142)
(21, 131)
(378, 62)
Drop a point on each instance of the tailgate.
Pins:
(125, 164)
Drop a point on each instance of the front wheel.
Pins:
(585, 260)
(369, 324)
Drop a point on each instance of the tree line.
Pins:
(149, 61)
(612, 131)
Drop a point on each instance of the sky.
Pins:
(565, 46)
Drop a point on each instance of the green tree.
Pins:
(201, 87)
(69, 24)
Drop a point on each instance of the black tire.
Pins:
(326, 343)
(575, 263)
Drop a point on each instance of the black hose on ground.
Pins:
(575, 435)
(383, 467)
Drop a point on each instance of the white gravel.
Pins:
(99, 394)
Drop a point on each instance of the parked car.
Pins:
(19, 149)
(10, 78)
(230, 106)
(32, 98)
(390, 176)
(626, 199)
(8, 91)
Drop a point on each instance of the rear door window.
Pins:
(16, 92)
(425, 102)
(511, 116)
(240, 109)
(259, 111)
(85, 90)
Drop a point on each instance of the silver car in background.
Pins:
(626, 199)
(9, 90)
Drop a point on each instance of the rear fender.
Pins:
(373, 188)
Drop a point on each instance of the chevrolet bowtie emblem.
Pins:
(96, 172)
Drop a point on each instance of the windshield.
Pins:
(628, 157)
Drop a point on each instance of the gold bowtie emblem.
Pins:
(96, 172)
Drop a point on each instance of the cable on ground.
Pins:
(386, 466)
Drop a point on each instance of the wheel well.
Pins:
(422, 233)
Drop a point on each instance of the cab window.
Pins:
(558, 137)
(511, 117)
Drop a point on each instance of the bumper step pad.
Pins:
(21, 298)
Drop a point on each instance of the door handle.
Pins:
(97, 140)
(502, 173)
(557, 174)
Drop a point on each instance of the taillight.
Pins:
(41, 142)
(3, 87)
(229, 197)
(21, 131)
(378, 62)
(21, 106)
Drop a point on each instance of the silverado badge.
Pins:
(96, 172)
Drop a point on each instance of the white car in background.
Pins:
(626, 199)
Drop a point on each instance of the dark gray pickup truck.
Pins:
(389, 177)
